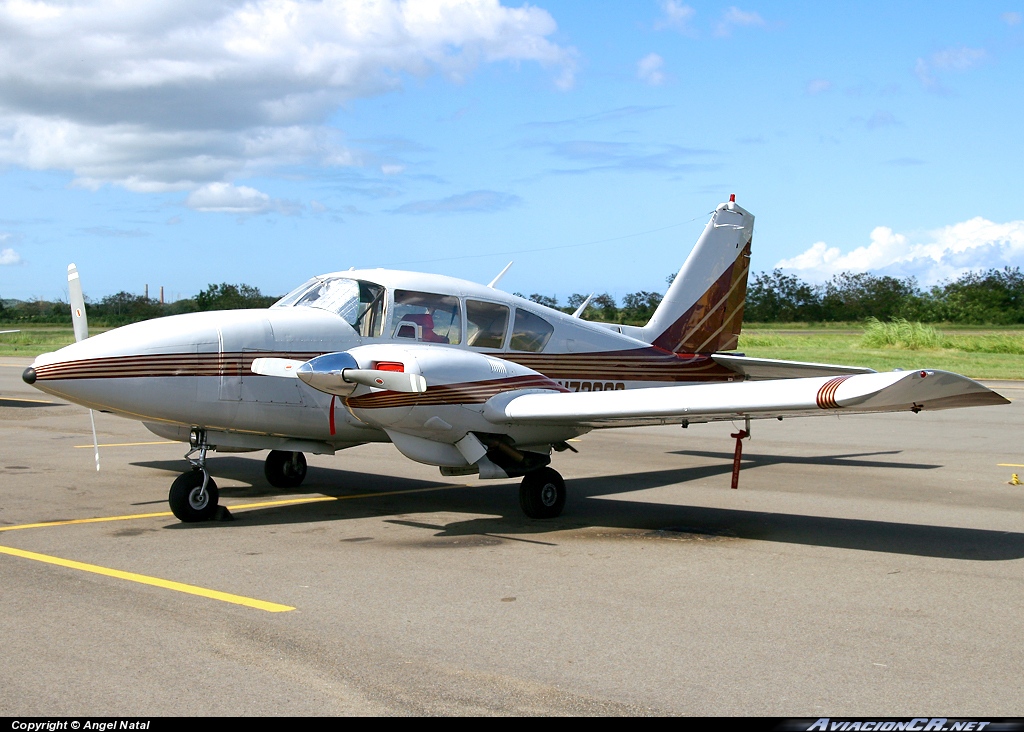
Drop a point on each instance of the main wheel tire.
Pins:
(285, 469)
(542, 494)
(186, 502)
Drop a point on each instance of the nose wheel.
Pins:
(193, 495)
(542, 494)
(285, 469)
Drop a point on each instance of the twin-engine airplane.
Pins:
(456, 374)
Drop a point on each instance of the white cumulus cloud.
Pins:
(227, 198)
(932, 257)
(9, 256)
(676, 15)
(955, 59)
(178, 94)
(650, 69)
(736, 18)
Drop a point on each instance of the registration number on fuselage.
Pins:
(593, 385)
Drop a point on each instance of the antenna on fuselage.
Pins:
(501, 274)
(583, 306)
(81, 325)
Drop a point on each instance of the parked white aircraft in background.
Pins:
(456, 374)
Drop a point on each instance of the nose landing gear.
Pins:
(193, 495)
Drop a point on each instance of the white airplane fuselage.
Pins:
(193, 370)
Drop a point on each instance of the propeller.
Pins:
(334, 373)
(81, 326)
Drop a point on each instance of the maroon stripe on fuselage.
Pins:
(158, 365)
(470, 392)
(640, 364)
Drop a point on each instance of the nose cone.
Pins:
(109, 371)
(161, 369)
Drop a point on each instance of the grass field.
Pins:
(33, 340)
(979, 352)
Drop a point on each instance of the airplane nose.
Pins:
(29, 375)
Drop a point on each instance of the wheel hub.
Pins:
(198, 498)
(548, 495)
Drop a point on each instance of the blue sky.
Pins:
(186, 143)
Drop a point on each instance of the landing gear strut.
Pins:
(542, 494)
(194, 496)
(285, 469)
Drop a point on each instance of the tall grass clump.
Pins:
(900, 333)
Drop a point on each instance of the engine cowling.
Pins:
(445, 425)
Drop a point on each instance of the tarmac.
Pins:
(867, 565)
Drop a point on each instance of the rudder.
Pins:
(703, 309)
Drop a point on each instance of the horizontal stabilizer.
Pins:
(859, 393)
(757, 369)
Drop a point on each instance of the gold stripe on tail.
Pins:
(714, 322)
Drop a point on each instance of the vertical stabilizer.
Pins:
(703, 309)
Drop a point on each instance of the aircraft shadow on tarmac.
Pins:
(28, 403)
(586, 508)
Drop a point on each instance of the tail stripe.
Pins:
(718, 305)
(716, 325)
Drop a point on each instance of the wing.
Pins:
(848, 394)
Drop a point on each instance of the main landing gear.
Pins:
(285, 469)
(542, 494)
(194, 496)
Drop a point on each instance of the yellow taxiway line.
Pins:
(270, 607)
(1010, 465)
(236, 507)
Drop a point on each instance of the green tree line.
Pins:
(994, 296)
(126, 307)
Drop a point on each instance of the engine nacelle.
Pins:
(432, 427)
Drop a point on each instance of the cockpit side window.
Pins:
(530, 332)
(486, 324)
(427, 317)
(360, 303)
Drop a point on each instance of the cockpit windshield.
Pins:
(359, 303)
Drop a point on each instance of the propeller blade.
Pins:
(81, 325)
(78, 319)
(286, 367)
(390, 380)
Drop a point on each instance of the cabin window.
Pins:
(530, 332)
(359, 303)
(486, 324)
(427, 317)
